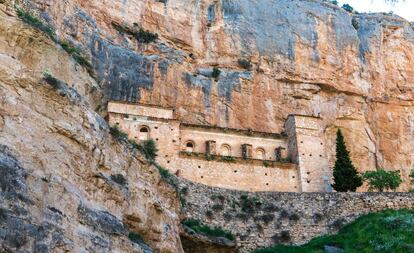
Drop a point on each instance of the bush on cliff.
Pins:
(346, 177)
(381, 180)
(149, 148)
(199, 228)
(388, 231)
(348, 8)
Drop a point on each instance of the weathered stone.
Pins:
(101, 220)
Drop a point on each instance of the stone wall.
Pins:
(265, 218)
(248, 175)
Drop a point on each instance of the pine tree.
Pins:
(346, 177)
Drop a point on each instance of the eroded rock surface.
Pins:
(57, 158)
(307, 57)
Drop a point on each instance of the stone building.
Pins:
(231, 158)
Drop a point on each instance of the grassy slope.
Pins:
(386, 231)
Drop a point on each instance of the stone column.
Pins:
(211, 147)
(247, 152)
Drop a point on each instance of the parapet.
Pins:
(137, 109)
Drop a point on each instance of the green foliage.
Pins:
(381, 180)
(388, 231)
(118, 134)
(346, 177)
(173, 181)
(145, 36)
(244, 64)
(149, 148)
(119, 179)
(266, 163)
(228, 158)
(30, 19)
(141, 35)
(51, 80)
(135, 237)
(210, 157)
(207, 230)
(348, 8)
(334, 2)
(412, 176)
(216, 73)
(248, 205)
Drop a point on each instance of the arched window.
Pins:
(260, 154)
(225, 150)
(144, 133)
(189, 146)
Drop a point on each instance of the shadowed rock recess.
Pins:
(68, 186)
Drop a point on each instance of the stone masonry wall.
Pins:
(265, 218)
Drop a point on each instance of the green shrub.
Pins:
(381, 180)
(141, 35)
(217, 207)
(244, 64)
(210, 157)
(216, 73)
(118, 134)
(119, 179)
(266, 163)
(149, 148)
(51, 80)
(334, 2)
(207, 230)
(145, 36)
(135, 237)
(30, 19)
(249, 205)
(228, 158)
(348, 8)
(412, 176)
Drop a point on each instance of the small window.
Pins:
(260, 154)
(144, 133)
(189, 146)
(225, 150)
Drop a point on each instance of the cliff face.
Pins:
(60, 169)
(57, 158)
(307, 57)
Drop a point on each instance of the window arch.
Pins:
(144, 133)
(260, 154)
(189, 146)
(225, 150)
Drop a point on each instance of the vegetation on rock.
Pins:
(119, 179)
(348, 8)
(388, 231)
(206, 230)
(346, 177)
(382, 180)
(216, 73)
(141, 35)
(76, 53)
(244, 64)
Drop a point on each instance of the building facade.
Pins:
(230, 158)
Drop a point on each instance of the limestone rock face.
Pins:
(355, 71)
(59, 165)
